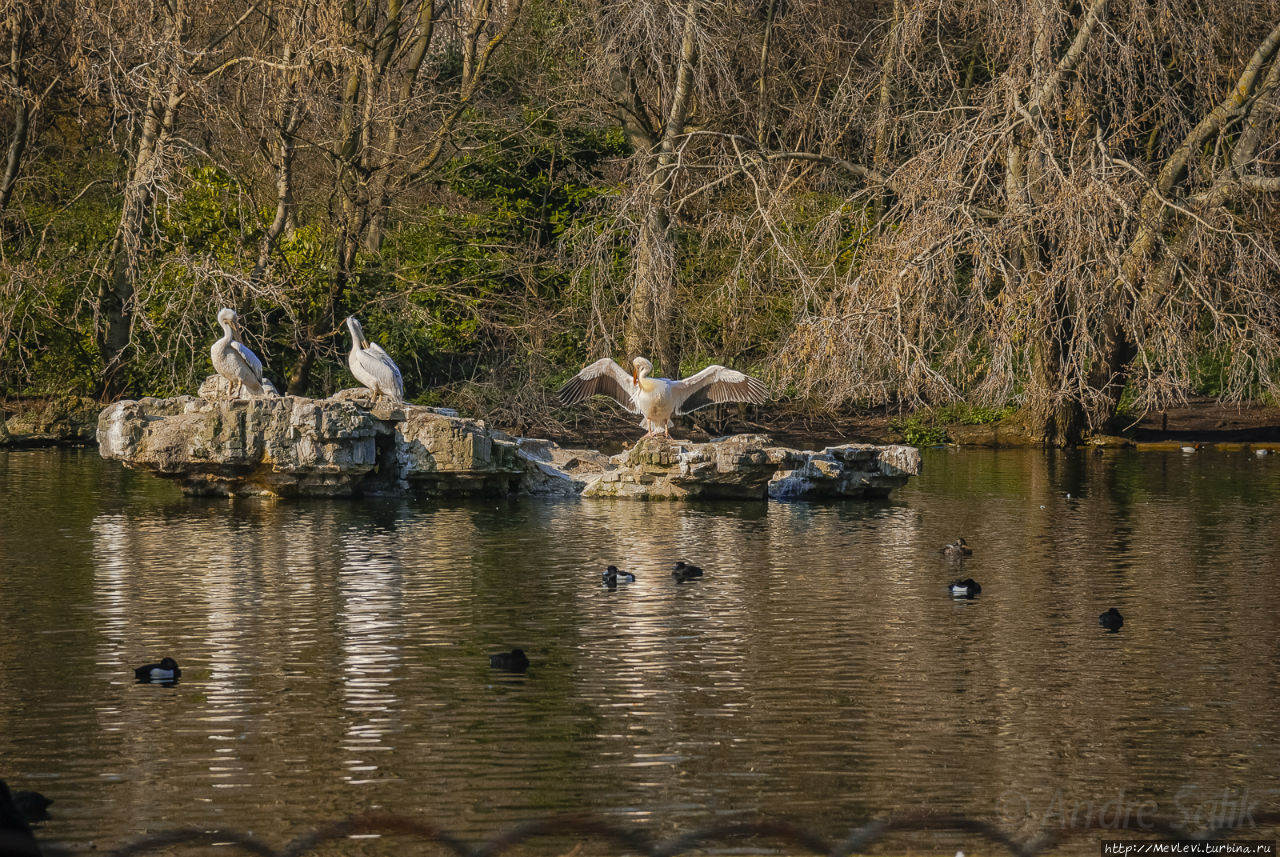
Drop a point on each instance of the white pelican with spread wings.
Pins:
(658, 399)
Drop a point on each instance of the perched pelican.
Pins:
(959, 548)
(233, 360)
(166, 670)
(372, 366)
(1111, 620)
(658, 399)
(612, 576)
(966, 588)
(515, 661)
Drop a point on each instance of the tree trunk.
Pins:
(286, 145)
(22, 109)
(1051, 410)
(648, 330)
(888, 62)
(116, 289)
(651, 320)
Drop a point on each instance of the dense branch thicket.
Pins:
(1066, 206)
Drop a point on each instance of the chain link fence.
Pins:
(764, 834)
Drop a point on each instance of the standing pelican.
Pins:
(372, 366)
(658, 399)
(233, 360)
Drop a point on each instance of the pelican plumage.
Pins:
(372, 366)
(233, 360)
(659, 399)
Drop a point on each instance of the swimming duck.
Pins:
(1195, 447)
(682, 571)
(611, 576)
(33, 805)
(959, 547)
(1111, 620)
(166, 670)
(966, 588)
(513, 661)
(15, 834)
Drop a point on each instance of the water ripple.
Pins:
(335, 655)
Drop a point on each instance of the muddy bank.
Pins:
(1202, 420)
(73, 421)
(61, 421)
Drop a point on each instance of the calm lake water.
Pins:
(335, 654)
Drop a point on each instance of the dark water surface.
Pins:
(335, 654)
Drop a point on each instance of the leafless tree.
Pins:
(145, 59)
(1053, 234)
(33, 66)
(385, 103)
(1050, 203)
(1058, 204)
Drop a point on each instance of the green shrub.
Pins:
(928, 427)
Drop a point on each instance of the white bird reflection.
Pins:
(371, 620)
(112, 599)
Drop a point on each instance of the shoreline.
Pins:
(72, 421)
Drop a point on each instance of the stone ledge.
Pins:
(351, 445)
(750, 467)
(281, 445)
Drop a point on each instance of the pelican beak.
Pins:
(635, 375)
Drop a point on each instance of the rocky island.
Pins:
(353, 445)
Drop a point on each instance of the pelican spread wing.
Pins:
(716, 384)
(605, 378)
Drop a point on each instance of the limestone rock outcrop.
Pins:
(352, 444)
(216, 388)
(294, 446)
(852, 470)
(440, 454)
(553, 470)
(282, 445)
(748, 467)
